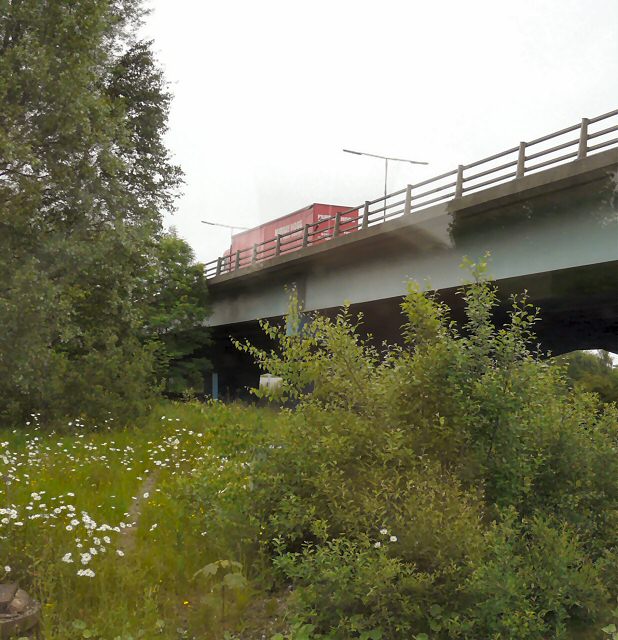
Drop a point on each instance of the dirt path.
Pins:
(128, 535)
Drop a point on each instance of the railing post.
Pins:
(254, 255)
(337, 224)
(305, 235)
(583, 139)
(408, 205)
(278, 245)
(218, 266)
(521, 160)
(237, 262)
(365, 222)
(459, 182)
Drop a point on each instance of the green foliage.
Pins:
(454, 487)
(176, 300)
(148, 592)
(594, 372)
(230, 570)
(230, 578)
(459, 472)
(84, 178)
(350, 588)
(533, 579)
(611, 629)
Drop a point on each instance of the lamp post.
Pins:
(225, 226)
(386, 159)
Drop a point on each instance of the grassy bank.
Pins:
(103, 529)
(456, 488)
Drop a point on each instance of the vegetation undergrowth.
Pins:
(452, 487)
(456, 486)
(98, 524)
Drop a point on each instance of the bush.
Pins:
(499, 482)
(533, 580)
(347, 588)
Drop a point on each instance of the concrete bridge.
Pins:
(551, 228)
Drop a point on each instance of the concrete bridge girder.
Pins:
(554, 233)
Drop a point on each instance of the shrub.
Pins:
(348, 588)
(534, 578)
(499, 482)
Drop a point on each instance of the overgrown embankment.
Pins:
(456, 487)
(101, 526)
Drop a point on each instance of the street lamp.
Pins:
(225, 226)
(386, 159)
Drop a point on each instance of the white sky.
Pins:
(268, 92)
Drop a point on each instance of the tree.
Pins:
(177, 308)
(84, 178)
(592, 372)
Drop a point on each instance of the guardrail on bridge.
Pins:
(514, 163)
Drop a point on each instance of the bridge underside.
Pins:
(579, 310)
(552, 233)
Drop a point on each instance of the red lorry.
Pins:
(291, 227)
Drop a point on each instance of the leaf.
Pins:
(609, 629)
(234, 580)
(209, 570)
(304, 632)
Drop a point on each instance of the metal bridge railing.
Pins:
(578, 141)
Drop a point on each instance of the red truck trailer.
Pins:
(291, 227)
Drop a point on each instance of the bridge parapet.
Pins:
(566, 146)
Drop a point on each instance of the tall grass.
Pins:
(100, 525)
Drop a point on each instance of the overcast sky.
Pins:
(268, 93)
